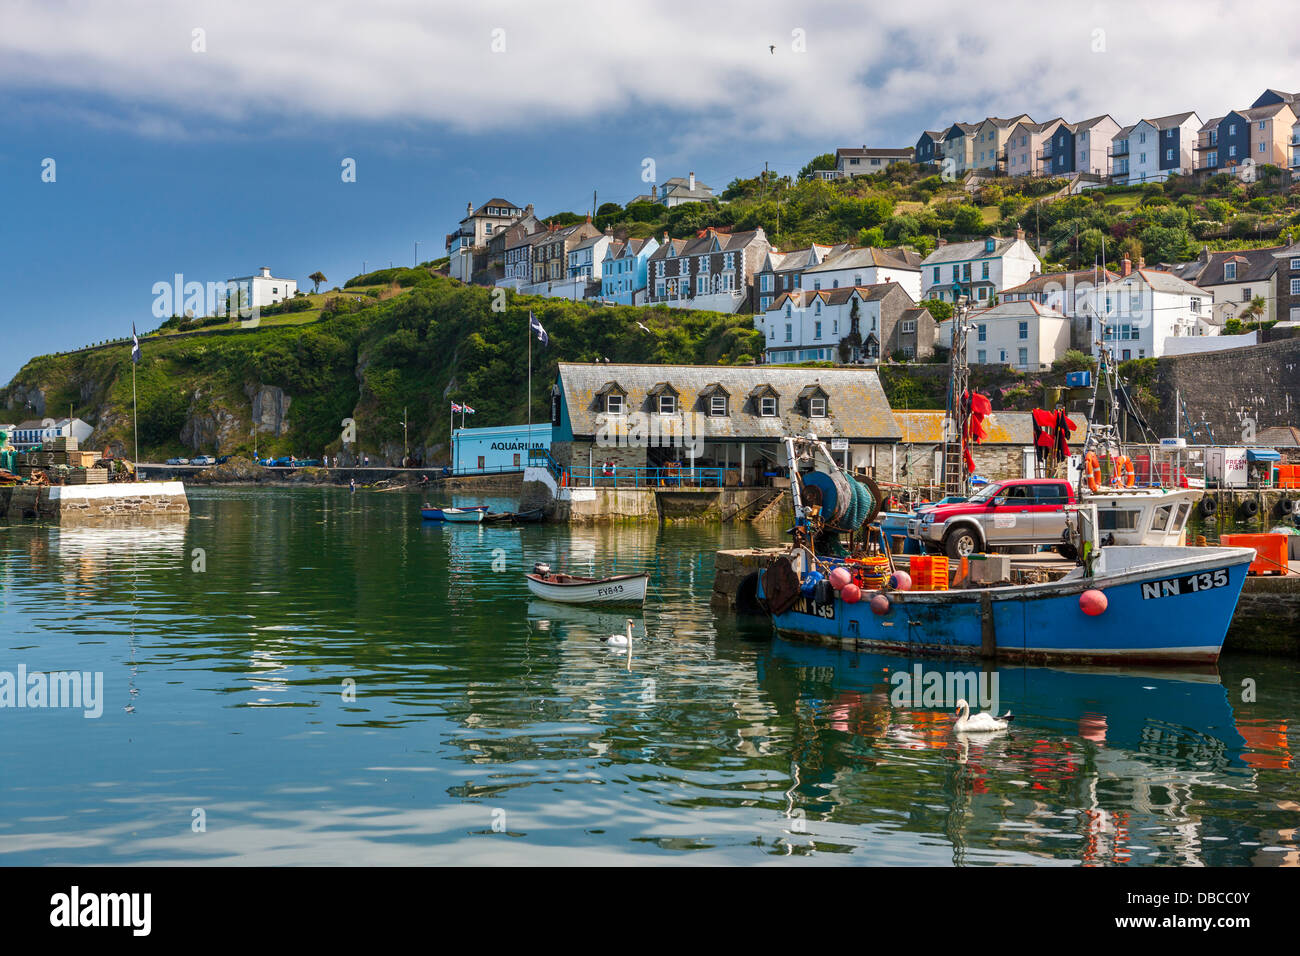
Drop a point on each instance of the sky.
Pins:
(208, 137)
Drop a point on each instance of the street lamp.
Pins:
(406, 448)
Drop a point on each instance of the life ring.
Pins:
(1208, 507)
(1092, 471)
(1122, 475)
(607, 469)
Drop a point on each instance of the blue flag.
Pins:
(536, 328)
(135, 345)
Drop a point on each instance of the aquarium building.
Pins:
(478, 451)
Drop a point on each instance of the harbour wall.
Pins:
(1226, 389)
(611, 504)
(89, 504)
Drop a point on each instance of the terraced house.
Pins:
(783, 271)
(551, 250)
(1025, 142)
(623, 274)
(1152, 150)
(991, 139)
(929, 147)
(713, 271)
(1251, 137)
(1235, 279)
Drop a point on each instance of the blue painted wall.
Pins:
(497, 447)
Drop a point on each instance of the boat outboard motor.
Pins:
(542, 569)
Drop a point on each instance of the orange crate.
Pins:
(1288, 476)
(1270, 551)
(929, 572)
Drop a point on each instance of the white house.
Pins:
(867, 266)
(1024, 334)
(587, 258)
(809, 325)
(978, 269)
(264, 288)
(851, 161)
(37, 431)
(1135, 314)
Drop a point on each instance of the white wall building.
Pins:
(264, 288)
(1024, 334)
(587, 258)
(1135, 314)
(36, 432)
(866, 266)
(978, 269)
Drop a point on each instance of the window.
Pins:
(817, 407)
(817, 285)
(1245, 295)
(1212, 159)
(984, 270)
(1196, 305)
(817, 329)
(614, 404)
(982, 293)
(767, 282)
(1295, 286)
(1169, 155)
(1295, 265)
(787, 310)
(1261, 147)
(667, 404)
(767, 406)
(717, 405)
(1002, 356)
(908, 325)
(1232, 129)
(936, 273)
(817, 309)
(1261, 124)
(983, 332)
(1232, 151)
(981, 356)
(1022, 356)
(1023, 331)
(1128, 354)
(1117, 519)
(788, 332)
(857, 280)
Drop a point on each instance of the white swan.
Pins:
(620, 640)
(980, 723)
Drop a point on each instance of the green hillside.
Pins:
(432, 342)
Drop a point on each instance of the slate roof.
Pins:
(497, 202)
(901, 257)
(1039, 283)
(1173, 119)
(1015, 310)
(865, 152)
(867, 293)
(1253, 265)
(857, 408)
(960, 251)
(1161, 281)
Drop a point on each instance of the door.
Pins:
(1011, 520)
(1049, 511)
(1031, 463)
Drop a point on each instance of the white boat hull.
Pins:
(624, 589)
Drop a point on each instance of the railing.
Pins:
(1121, 150)
(623, 477)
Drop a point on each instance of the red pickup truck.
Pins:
(1004, 513)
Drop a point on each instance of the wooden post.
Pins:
(988, 634)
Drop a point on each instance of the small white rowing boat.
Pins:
(571, 589)
(470, 515)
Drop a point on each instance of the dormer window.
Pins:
(767, 406)
(667, 404)
(614, 404)
(1229, 271)
(816, 408)
(718, 405)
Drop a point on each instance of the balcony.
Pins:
(1120, 149)
(459, 243)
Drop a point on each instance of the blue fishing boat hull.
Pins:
(1164, 605)
(436, 514)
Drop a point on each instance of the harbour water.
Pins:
(308, 676)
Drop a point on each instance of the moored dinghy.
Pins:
(462, 515)
(572, 589)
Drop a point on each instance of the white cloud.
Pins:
(869, 71)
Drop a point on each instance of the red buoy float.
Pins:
(840, 577)
(1093, 602)
(880, 604)
(850, 593)
(900, 581)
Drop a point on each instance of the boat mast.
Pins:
(956, 479)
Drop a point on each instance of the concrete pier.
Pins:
(80, 504)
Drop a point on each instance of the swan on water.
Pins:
(980, 723)
(620, 640)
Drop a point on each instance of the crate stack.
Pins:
(928, 572)
(79, 465)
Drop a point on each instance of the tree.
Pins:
(939, 309)
(968, 220)
(316, 278)
(824, 161)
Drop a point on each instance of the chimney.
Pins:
(528, 210)
(1126, 267)
(589, 220)
(654, 191)
(266, 272)
(691, 182)
(665, 242)
(940, 242)
(469, 208)
(1020, 234)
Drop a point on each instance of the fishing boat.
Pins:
(1122, 603)
(532, 516)
(462, 515)
(571, 589)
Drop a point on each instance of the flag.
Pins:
(468, 410)
(536, 328)
(135, 345)
(455, 407)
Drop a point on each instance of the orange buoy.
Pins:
(1092, 471)
(1123, 472)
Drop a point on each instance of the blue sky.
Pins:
(212, 162)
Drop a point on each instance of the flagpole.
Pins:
(528, 435)
(135, 418)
